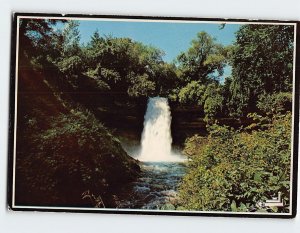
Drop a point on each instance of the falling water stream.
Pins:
(161, 168)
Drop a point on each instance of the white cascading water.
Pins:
(156, 137)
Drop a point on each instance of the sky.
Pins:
(170, 37)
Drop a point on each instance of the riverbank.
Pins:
(67, 151)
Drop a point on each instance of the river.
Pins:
(161, 167)
(157, 186)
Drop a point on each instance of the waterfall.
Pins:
(156, 137)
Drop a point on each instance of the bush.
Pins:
(76, 153)
(275, 103)
(234, 170)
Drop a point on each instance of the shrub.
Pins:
(235, 170)
(76, 153)
(275, 103)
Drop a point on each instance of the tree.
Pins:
(35, 41)
(271, 104)
(70, 60)
(227, 94)
(141, 86)
(71, 39)
(128, 67)
(165, 77)
(204, 60)
(262, 63)
(213, 104)
(192, 93)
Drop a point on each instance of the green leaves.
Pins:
(261, 62)
(192, 93)
(141, 86)
(233, 206)
(208, 97)
(203, 59)
(74, 153)
(275, 103)
(71, 66)
(234, 170)
(213, 101)
(128, 67)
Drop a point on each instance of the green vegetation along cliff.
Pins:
(63, 152)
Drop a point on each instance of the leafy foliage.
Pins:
(275, 103)
(70, 58)
(70, 65)
(35, 41)
(67, 150)
(128, 66)
(74, 154)
(70, 151)
(202, 59)
(235, 170)
(262, 63)
(141, 86)
(213, 101)
(192, 93)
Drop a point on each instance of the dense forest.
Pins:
(72, 97)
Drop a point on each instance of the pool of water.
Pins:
(156, 186)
